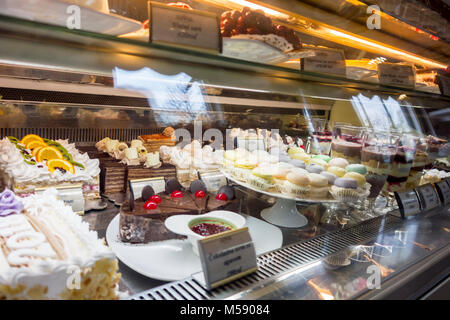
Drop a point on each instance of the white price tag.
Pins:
(396, 75)
(213, 180)
(325, 61)
(251, 144)
(158, 184)
(71, 195)
(443, 189)
(428, 196)
(183, 27)
(226, 257)
(408, 203)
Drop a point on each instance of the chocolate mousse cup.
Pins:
(403, 162)
(347, 143)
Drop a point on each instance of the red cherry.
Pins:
(222, 196)
(155, 198)
(303, 147)
(200, 194)
(150, 205)
(176, 194)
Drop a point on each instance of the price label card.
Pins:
(443, 189)
(325, 61)
(226, 257)
(157, 183)
(251, 144)
(428, 197)
(396, 75)
(444, 85)
(182, 27)
(71, 195)
(213, 180)
(408, 203)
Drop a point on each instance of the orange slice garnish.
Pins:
(30, 137)
(48, 153)
(35, 151)
(53, 164)
(35, 144)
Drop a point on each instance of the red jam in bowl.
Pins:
(208, 229)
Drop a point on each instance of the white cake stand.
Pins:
(284, 212)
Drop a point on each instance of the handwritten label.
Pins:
(396, 75)
(325, 61)
(71, 195)
(408, 203)
(226, 257)
(188, 28)
(158, 184)
(213, 180)
(443, 189)
(428, 196)
(251, 144)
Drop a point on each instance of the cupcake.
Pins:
(345, 189)
(318, 186)
(340, 172)
(243, 167)
(262, 178)
(338, 162)
(296, 184)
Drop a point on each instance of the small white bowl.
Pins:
(181, 224)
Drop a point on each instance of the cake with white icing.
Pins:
(36, 162)
(48, 252)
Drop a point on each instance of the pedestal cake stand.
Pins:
(284, 212)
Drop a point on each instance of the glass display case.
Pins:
(308, 117)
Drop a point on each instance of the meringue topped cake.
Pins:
(47, 252)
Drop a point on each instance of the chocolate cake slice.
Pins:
(142, 226)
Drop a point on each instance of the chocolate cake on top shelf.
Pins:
(142, 219)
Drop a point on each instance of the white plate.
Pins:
(173, 260)
(54, 12)
(259, 51)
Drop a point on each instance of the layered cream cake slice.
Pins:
(48, 252)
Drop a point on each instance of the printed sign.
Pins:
(183, 27)
(396, 75)
(325, 61)
(443, 189)
(428, 197)
(158, 184)
(251, 144)
(408, 203)
(213, 180)
(71, 195)
(226, 257)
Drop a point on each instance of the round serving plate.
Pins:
(55, 12)
(173, 260)
(284, 212)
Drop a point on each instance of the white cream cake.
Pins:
(48, 252)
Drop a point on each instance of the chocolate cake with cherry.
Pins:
(142, 220)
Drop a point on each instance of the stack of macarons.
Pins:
(352, 185)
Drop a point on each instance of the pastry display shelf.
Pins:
(284, 212)
(98, 55)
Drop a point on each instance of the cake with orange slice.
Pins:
(35, 162)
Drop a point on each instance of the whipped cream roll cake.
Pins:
(35, 162)
(48, 252)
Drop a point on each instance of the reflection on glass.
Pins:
(320, 136)
(175, 94)
(400, 238)
(347, 143)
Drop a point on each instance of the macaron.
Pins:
(294, 150)
(331, 177)
(298, 178)
(299, 170)
(320, 162)
(323, 157)
(360, 179)
(340, 172)
(314, 168)
(297, 163)
(230, 155)
(317, 180)
(338, 162)
(284, 158)
(359, 168)
(346, 183)
(301, 156)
